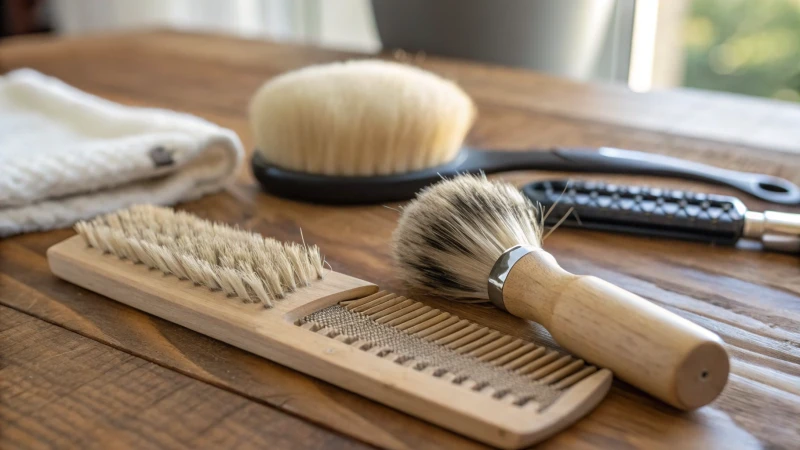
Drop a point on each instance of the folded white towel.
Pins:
(66, 155)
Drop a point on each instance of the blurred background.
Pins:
(750, 47)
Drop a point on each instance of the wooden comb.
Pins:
(434, 365)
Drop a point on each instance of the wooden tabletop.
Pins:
(78, 370)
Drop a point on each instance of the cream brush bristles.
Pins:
(362, 118)
(443, 246)
(240, 263)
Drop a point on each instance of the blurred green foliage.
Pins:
(746, 46)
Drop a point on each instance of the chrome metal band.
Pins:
(500, 270)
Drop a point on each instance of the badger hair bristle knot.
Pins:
(360, 118)
(451, 235)
(240, 263)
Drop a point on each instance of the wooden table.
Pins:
(78, 370)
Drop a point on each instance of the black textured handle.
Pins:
(641, 210)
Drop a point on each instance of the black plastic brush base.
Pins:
(343, 190)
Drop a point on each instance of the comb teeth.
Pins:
(444, 346)
(219, 257)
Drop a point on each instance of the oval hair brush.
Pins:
(373, 131)
(475, 239)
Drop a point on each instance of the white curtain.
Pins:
(345, 24)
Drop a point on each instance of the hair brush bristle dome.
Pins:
(470, 237)
(367, 117)
(449, 238)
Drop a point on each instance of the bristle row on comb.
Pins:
(214, 255)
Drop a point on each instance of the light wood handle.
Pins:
(649, 347)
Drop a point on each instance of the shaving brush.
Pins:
(360, 118)
(469, 238)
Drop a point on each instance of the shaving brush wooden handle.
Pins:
(649, 347)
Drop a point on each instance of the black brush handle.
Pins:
(614, 160)
(640, 210)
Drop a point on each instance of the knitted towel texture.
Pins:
(66, 155)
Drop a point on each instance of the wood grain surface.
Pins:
(62, 390)
(750, 298)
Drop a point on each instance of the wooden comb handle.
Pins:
(649, 347)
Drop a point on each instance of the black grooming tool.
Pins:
(332, 189)
(716, 219)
